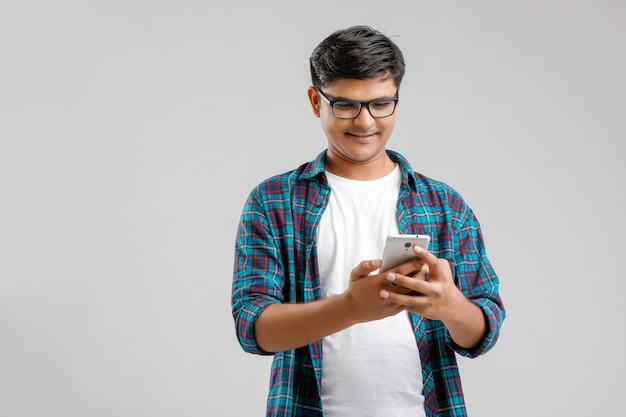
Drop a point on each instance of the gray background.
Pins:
(132, 131)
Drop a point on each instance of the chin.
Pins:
(365, 155)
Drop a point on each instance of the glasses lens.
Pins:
(382, 108)
(346, 109)
(377, 108)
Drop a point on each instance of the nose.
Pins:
(364, 117)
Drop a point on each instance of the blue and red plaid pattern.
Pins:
(276, 262)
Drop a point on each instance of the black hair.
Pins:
(358, 52)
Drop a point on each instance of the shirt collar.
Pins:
(315, 168)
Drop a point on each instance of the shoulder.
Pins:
(420, 182)
(286, 182)
(436, 194)
(440, 189)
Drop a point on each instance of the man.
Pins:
(347, 338)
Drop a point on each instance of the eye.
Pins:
(345, 105)
(381, 104)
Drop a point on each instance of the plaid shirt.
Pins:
(276, 262)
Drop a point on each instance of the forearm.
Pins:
(289, 326)
(467, 325)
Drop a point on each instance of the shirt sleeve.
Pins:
(476, 278)
(257, 276)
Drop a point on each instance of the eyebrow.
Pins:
(341, 98)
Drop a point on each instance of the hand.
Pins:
(438, 298)
(430, 292)
(363, 293)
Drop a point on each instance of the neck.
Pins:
(361, 171)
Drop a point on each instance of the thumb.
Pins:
(365, 268)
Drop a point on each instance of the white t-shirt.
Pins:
(373, 368)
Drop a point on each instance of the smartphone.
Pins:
(398, 249)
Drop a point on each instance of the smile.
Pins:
(361, 135)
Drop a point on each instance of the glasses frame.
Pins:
(361, 105)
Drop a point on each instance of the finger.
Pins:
(417, 274)
(409, 300)
(413, 284)
(429, 259)
(426, 272)
(424, 254)
(364, 268)
(409, 268)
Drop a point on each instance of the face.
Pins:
(358, 142)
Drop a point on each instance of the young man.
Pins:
(347, 338)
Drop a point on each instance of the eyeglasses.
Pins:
(350, 109)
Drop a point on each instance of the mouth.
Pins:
(364, 136)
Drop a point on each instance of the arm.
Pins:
(464, 296)
(289, 326)
(267, 317)
(438, 298)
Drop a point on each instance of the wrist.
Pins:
(459, 309)
(466, 323)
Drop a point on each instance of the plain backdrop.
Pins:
(132, 131)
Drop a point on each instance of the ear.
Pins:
(314, 99)
(398, 103)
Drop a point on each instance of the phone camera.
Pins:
(407, 245)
